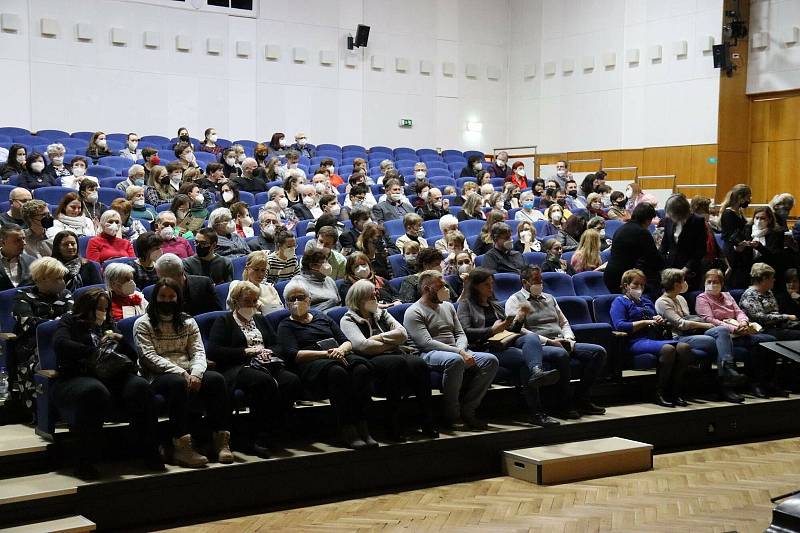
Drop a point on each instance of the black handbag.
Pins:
(107, 363)
(658, 332)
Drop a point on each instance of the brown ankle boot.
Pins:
(221, 442)
(184, 454)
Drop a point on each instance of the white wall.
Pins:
(776, 66)
(671, 102)
(67, 84)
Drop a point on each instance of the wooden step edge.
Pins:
(67, 524)
(23, 446)
(37, 487)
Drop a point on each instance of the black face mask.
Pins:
(561, 202)
(574, 194)
(202, 249)
(744, 205)
(168, 308)
(550, 192)
(47, 222)
(164, 181)
(184, 138)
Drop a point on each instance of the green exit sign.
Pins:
(406, 123)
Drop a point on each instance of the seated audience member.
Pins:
(250, 180)
(131, 150)
(229, 243)
(131, 228)
(502, 257)
(594, 205)
(599, 225)
(618, 209)
(468, 188)
(242, 220)
(173, 359)
(80, 272)
(634, 314)
(197, 292)
(126, 301)
(499, 168)
(329, 212)
(34, 176)
(17, 198)
(163, 184)
(587, 255)
(412, 223)
(447, 225)
(483, 241)
(359, 196)
(434, 329)
(377, 336)
(473, 167)
(789, 300)
(241, 343)
(312, 344)
(79, 166)
(255, 272)
(209, 142)
(553, 262)
(759, 302)
(634, 247)
(562, 174)
(435, 207)
(98, 147)
(484, 319)
(292, 166)
(56, 168)
(291, 188)
(782, 205)
(526, 238)
(15, 163)
(527, 212)
(721, 310)
(268, 223)
(358, 267)
(214, 178)
(555, 221)
(307, 208)
(374, 243)
(229, 195)
(206, 262)
(135, 178)
(517, 175)
(231, 167)
(315, 278)
(427, 259)
(541, 316)
(703, 337)
(358, 217)
(283, 264)
(108, 245)
(570, 233)
(184, 152)
(81, 335)
(395, 206)
(151, 159)
(46, 300)
(171, 243)
(69, 216)
(90, 202)
(327, 240)
(15, 264)
(458, 263)
(574, 200)
(684, 242)
(148, 250)
(38, 221)
(139, 209)
(636, 196)
(190, 215)
(333, 178)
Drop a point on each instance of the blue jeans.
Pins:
(453, 368)
(715, 341)
(592, 358)
(521, 359)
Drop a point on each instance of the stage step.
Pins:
(37, 487)
(575, 461)
(68, 524)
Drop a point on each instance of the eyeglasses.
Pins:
(298, 298)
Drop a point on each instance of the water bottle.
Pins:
(3, 383)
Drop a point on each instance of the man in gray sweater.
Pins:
(433, 327)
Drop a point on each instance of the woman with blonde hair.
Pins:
(526, 238)
(372, 242)
(158, 189)
(255, 272)
(587, 256)
(733, 224)
(471, 210)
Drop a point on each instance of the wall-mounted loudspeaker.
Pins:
(362, 37)
(722, 57)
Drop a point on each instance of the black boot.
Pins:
(542, 419)
(542, 378)
(730, 377)
(730, 395)
(363, 432)
(663, 372)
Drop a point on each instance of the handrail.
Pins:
(618, 169)
(660, 177)
(584, 160)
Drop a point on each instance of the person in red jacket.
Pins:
(107, 244)
(517, 176)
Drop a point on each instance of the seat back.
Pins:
(470, 228)
(589, 284)
(534, 258)
(44, 344)
(575, 309)
(398, 311)
(336, 313)
(394, 228)
(222, 293)
(51, 195)
(602, 307)
(275, 317)
(204, 323)
(557, 284)
(238, 268)
(398, 263)
(506, 284)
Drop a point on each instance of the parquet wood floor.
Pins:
(714, 490)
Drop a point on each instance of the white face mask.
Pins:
(230, 227)
(308, 201)
(597, 205)
(37, 166)
(247, 312)
(465, 268)
(78, 171)
(128, 288)
(101, 143)
(536, 289)
(139, 203)
(133, 146)
(508, 245)
(111, 229)
(230, 161)
(635, 294)
(361, 271)
(92, 198)
(443, 294)
(326, 269)
(21, 159)
(320, 188)
(212, 137)
(521, 172)
(602, 234)
(269, 230)
(525, 235)
(247, 222)
(501, 163)
(241, 157)
(759, 224)
(713, 288)
(335, 209)
(556, 216)
(58, 160)
(411, 259)
(100, 317)
(227, 196)
(167, 233)
(561, 173)
(283, 203)
(420, 174)
(396, 196)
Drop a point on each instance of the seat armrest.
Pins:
(49, 374)
(619, 334)
(8, 336)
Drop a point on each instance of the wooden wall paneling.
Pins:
(784, 119)
(703, 171)
(760, 120)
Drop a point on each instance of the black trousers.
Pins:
(396, 373)
(90, 399)
(269, 396)
(212, 395)
(348, 389)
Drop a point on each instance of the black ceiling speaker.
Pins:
(362, 37)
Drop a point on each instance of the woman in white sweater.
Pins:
(69, 216)
(172, 357)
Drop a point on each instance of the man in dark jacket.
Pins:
(633, 247)
(198, 291)
(684, 242)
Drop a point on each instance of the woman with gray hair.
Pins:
(109, 244)
(315, 278)
(229, 243)
(126, 301)
(782, 204)
(57, 168)
(377, 336)
(241, 344)
(255, 273)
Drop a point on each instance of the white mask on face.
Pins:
(37, 166)
(138, 203)
(308, 201)
(713, 288)
(635, 294)
(58, 160)
(269, 230)
(230, 161)
(212, 137)
(167, 233)
(247, 312)
(602, 234)
(556, 216)
(247, 222)
(230, 227)
(111, 229)
(326, 269)
(501, 163)
(101, 143)
(335, 209)
(597, 205)
(133, 146)
(21, 159)
(536, 289)
(525, 235)
(396, 197)
(521, 172)
(361, 271)
(91, 198)
(128, 288)
(477, 166)
(78, 171)
(561, 173)
(283, 203)
(227, 196)
(465, 268)
(99, 317)
(443, 294)
(420, 174)
(508, 245)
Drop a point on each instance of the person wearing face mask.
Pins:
(562, 174)
(434, 330)
(555, 221)
(231, 167)
(78, 337)
(78, 168)
(131, 228)
(15, 164)
(135, 178)
(242, 220)
(98, 147)
(209, 142)
(684, 243)
(307, 208)
(255, 272)
(283, 264)
(633, 247)
(618, 209)
(183, 137)
(242, 344)
(131, 150)
(766, 246)
(761, 306)
(207, 263)
(527, 212)
(47, 299)
(171, 242)
(473, 167)
(517, 175)
(151, 159)
(782, 205)
(292, 166)
(427, 259)
(139, 209)
(594, 205)
(90, 202)
(34, 176)
(126, 300)
(56, 167)
(315, 278)
(198, 295)
(108, 244)
(229, 244)
(705, 339)
(636, 196)
(574, 200)
(735, 237)
(191, 202)
(330, 209)
(184, 152)
(414, 232)
(326, 237)
(435, 207)
(268, 223)
(148, 250)
(500, 167)
(277, 145)
(634, 314)
(599, 225)
(502, 257)
(553, 250)
(789, 300)
(229, 195)
(38, 243)
(357, 268)
(80, 271)
(173, 359)
(250, 181)
(302, 147)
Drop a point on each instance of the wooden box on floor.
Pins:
(574, 461)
